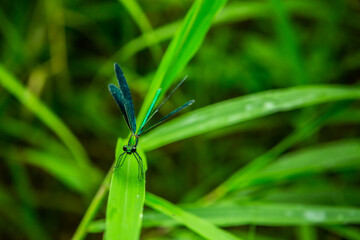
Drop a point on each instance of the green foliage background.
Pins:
(269, 150)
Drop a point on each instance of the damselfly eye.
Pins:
(133, 149)
(125, 148)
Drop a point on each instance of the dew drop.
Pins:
(315, 216)
(269, 105)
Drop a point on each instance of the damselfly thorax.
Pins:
(132, 144)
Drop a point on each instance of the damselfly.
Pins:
(124, 100)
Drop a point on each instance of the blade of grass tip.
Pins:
(183, 47)
(194, 223)
(241, 177)
(237, 110)
(36, 106)
(143, 22)
(126, 199)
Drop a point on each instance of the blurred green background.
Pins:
(63, 53)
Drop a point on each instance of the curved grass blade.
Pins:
(183, 47)
(30, 101)
(27, 202)
(11, 212)
(97, 226)
(144, 24)
(316, 159)
(345, 232)
(233, 111)
(195, 223)
(127, 99)
(264, 214)
(288, 42)
(64, 170)
(126, 200)
(93, 208)
(240, 178)
(12, 36)
(308, 161)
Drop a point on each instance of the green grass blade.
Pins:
(233, 12)
(322, 194)
(240, 178)
(93, 208)
(241, 109)
(66, 171)
(143, 22)
(126, 199)
(26, 196)
(15, 128)
(11, 212)
(11, 36)
(97, 226)
(306, 232)
(183, 47)
(346, 232)
(54, 12)
(288, 42)
(196, 224)
(316, 159)
(35, 105)
(265, 214)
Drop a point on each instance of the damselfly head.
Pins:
(129, 149)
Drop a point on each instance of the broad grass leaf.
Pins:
(49, 118)
(196, 224)
(65, 170)
(264, 214)
(330, 156)
(126, 199)
(237, 110)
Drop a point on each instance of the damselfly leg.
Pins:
(120, 161)
(140, 168)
